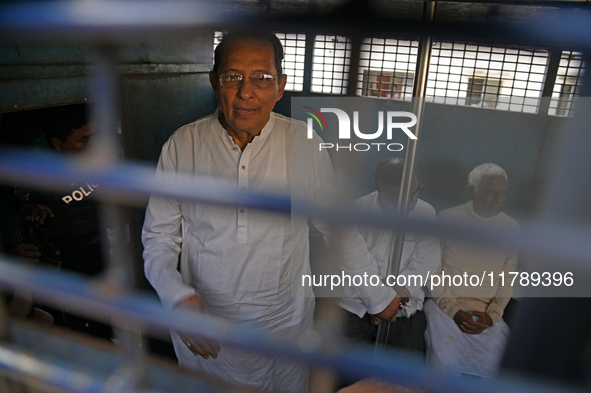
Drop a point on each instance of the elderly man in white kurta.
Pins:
(239, 263)
(466, 332)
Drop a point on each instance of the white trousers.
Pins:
(450, 349)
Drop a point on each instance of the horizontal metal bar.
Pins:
(539, 3)
(131, 184)
(78, 364)
(101, 21)
(20, 366)
(88, 298)
(105, 18)
(561, 32)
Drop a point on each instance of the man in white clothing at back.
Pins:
(420, 255)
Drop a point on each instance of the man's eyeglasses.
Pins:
(258, 81)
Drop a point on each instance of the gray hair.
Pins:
(489, 169)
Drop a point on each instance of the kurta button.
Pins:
(241, 210)
(235, 149)
(243, 166)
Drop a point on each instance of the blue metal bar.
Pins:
(22, 366)
(410, 156)
(104, 303)
(103, 19)
(39, 357)
(100, 19)
(132, 184)
(104, 152)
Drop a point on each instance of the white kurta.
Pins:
(420, 255)
(242, 262)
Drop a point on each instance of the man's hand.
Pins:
(31, 253)
(404, 294)
(483, 318)
(467, 325)
(388, 314)
(23, 250)
(196, 345)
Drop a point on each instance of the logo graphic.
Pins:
(345, 123)
(315, 117)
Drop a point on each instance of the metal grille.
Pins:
(484, 76)
(387, 68)
(294, 46)
(568, 83)
(217, 38)
(330, 68)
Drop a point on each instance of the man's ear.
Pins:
(470, 191)
(281, 82)
(213, 80)
(55, 143)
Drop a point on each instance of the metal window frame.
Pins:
(323, 81)
(403, 69)
(561, 103)
(531, 101)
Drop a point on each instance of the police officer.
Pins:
(75, 229)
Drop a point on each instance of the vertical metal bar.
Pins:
(119, 274)
(105, 152)
(329, 316)
(550, 80)
(105, 110)
(356, 41)
(308, 61)
(417, 107)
